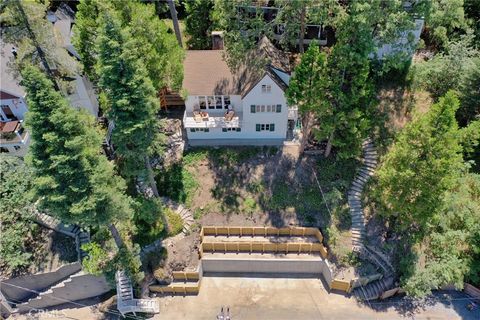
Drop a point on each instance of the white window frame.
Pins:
(266, 88)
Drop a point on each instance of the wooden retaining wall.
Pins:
(260, 246)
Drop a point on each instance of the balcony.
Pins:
(205, 119)
(12, 133)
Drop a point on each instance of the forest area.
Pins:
(421, 106)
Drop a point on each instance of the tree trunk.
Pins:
(328, 149)
(302, 28)
(151, 177)
(176, 27)
(306, 128)
(116, 235)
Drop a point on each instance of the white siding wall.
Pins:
(256, 97)
(18, 107)
(249, 120)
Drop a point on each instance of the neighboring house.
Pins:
(246, 106)
(82, 93)
(325, 35)
(13, 137)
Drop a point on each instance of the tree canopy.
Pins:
(198, 23)
(130, 93)
(16, 227)
(72, 178)
(423, 163)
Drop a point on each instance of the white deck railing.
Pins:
(212, 122)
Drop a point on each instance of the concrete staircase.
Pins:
(76, 286)
(126, 303)
(185, 213)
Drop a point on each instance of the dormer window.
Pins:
(266, 88)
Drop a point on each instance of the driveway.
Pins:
(273, 298)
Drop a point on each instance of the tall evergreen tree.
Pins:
(154, 44)
(423, 163)
(72, 179)
(346, 99)
(198, 23)
(304, 87)
(131, 96)
(85, 33)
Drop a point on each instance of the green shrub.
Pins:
(148, 220)
(175, 222)
(249, 206)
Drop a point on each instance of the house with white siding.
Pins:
(14, 139)
(242, 106)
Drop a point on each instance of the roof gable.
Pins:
(207, 73)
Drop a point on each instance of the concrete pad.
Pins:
(279, 298)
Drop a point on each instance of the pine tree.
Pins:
(85, 33)
(304, 87)
(346, 96)
(154, 44)
(131, 97)
(72, 179)
(423, 163)
(198, 23)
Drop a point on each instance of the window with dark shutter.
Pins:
(252, 108)
(258, 127)
(279, 108)
(272, 126)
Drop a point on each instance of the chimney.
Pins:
(217, 40)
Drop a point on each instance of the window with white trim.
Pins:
(266, 88)
(266, 108)
(199, 130)
(265, 127)
(214, 102)
(231, 129)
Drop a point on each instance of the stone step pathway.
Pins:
(374, 289)
(72, 230)
(355, 193)
(185, 213)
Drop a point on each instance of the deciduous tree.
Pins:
(16, 229)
